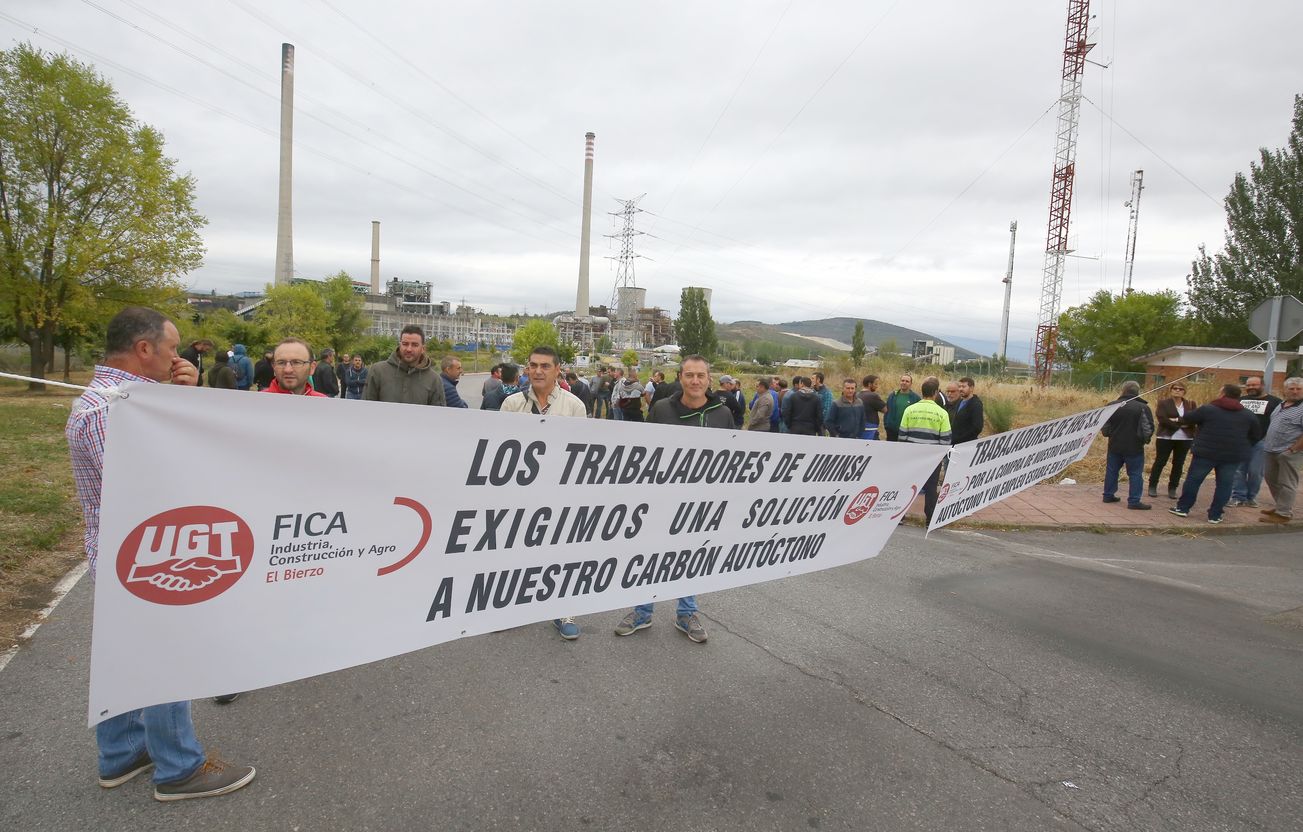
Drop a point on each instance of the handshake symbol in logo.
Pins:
(184, 574)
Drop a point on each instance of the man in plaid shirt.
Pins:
(141, 347)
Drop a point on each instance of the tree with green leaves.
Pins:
(857, 344)
(889, 348)
(1263, 256)
(535, 333)
(93, 216)
(629, 358)
(695, 328)
(344, 309)
(604, 344)
(296, 310)
(1109, 332)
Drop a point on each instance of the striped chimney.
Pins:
(581, 297)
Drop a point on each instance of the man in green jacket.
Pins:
(406, 377)
(925, 422)
(897, 402)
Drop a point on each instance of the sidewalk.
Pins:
(1048, 505)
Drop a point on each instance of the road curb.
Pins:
(1104, 528)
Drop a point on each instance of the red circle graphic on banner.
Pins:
(861, 505)
(185, 556)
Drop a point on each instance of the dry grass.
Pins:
(1031, 404)
(1034, 404)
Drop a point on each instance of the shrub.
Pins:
(999, 414)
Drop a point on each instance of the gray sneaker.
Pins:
(139, 766)
(632, 623)
(215, 777)
(691, 627)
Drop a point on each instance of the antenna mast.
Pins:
(1065, 161)
(1008, 293)
(1137, 185)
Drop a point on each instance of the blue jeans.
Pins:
(1135, 466)
(166, 731)
(687, 606)
(1199, 470)
(1248, 474)
(617, 412)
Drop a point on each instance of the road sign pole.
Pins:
(1273, 331)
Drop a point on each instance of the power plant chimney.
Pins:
(375, 257)
(284, 211)
(581, 297)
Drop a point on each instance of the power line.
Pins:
(330, 125)
(957, 196)
(242, 120)
(351, 73)
(727, 104)
(838, 68)
(390, 50)
(1157, 155)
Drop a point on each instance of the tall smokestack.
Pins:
(285, 208)
(581, 297)
(375, 257)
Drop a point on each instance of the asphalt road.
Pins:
(965, 682)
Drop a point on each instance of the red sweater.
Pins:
(275, 387)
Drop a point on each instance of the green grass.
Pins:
(37, 499)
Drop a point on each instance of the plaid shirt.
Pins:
(85, 432)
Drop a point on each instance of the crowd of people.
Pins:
(1243, 438)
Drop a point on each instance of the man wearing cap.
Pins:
(734, 400)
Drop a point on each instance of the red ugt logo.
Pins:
(861, 505)
(185, 555)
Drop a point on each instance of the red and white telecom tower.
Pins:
(1065, 159)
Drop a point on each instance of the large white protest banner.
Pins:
(250, 540)
(985, 471)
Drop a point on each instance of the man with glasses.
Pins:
(896, 404)
(291, 362)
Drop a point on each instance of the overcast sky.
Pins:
(802, 158)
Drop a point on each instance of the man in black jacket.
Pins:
(803, 409)
(733, 399)
(1128, 429)
(508, 376)
(1248, 477)
(967, 418)
(693, 406)
(324, 379)
(1227, 434)
(580, 390)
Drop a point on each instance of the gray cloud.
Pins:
(854, 209)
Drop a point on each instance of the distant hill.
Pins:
(756, 334)
(875, 332)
